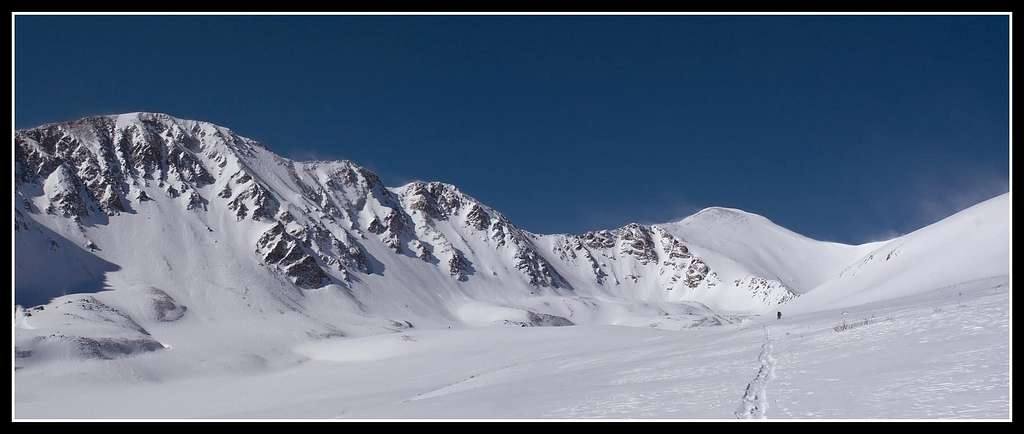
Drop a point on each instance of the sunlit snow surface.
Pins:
(941, 354)
(189, 321)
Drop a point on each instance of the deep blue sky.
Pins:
(841, 128)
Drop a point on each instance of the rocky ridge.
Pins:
(316, 218)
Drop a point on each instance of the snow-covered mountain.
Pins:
(200, 231)
(969, 246)
(731, 239)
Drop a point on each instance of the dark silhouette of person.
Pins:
(780, 315)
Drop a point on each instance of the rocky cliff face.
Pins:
(645, 245)
(105, 161)
(325, 223)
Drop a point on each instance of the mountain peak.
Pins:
(718, 213)
(321, 223)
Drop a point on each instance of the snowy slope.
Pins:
(78, 270)
(239, 235)
(188, 260)
(970, 245)
(218, 221)
(732, 239)
(937, 355)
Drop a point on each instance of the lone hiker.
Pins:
(779, 315)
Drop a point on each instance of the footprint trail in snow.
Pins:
(754, 404)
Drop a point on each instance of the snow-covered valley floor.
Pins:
(941, 354)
